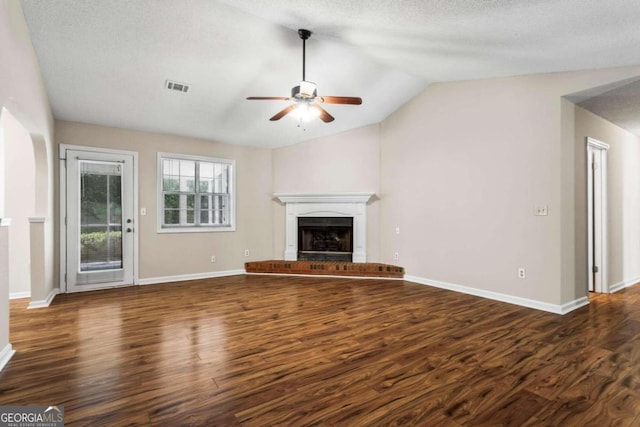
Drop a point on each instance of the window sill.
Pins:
(195, 229)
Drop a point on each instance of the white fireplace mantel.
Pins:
(327, 205)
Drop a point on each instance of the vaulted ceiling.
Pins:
(106, 61)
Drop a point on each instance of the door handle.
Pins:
(129, 230)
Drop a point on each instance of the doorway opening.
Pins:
(597, 215)
(17, 205)
(18, 200)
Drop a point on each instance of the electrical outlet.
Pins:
(396, 256)
(522, 273)
(213, 258)
(542, 210)
(246, 252)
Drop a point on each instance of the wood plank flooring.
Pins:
(294, 351)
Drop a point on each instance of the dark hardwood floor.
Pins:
(268, 351)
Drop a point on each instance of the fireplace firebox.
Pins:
(325, 239)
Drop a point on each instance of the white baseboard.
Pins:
(183, 277)
(524, 302)
(45, 302)
(18, 295)
(624, 284)
(5, 355)
(573, 305)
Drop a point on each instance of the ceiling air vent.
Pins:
(179, 87)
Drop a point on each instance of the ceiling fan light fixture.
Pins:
(304, 112)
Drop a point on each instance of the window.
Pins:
(195, 193)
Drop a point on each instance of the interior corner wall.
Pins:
(345, 163)
(623, 199)
(167, 255)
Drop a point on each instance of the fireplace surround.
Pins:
(346, 205)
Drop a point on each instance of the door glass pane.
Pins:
(100, 216)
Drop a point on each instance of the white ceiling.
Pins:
(106, 61)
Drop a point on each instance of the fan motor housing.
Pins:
(305, 90)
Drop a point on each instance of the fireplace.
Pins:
(349, 206)
(325, 239)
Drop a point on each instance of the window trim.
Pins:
(195, 229)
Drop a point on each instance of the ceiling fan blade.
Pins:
(283, 113)
(339, 100)
(267, 98)
(324, 116)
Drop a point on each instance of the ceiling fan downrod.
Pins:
(304, 35)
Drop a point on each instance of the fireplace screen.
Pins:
(325, 239)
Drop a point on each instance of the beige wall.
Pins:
(345, 163)
(174, 254)
(623, 198)
(19, 201)
(463, 166)
(22, 93)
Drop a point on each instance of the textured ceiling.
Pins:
(106, 61)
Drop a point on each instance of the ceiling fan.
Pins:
(306, 102)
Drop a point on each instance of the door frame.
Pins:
(603, 147)
(62, 191)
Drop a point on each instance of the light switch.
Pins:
(143, 211)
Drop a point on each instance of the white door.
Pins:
(597, 214)
(99, 220)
